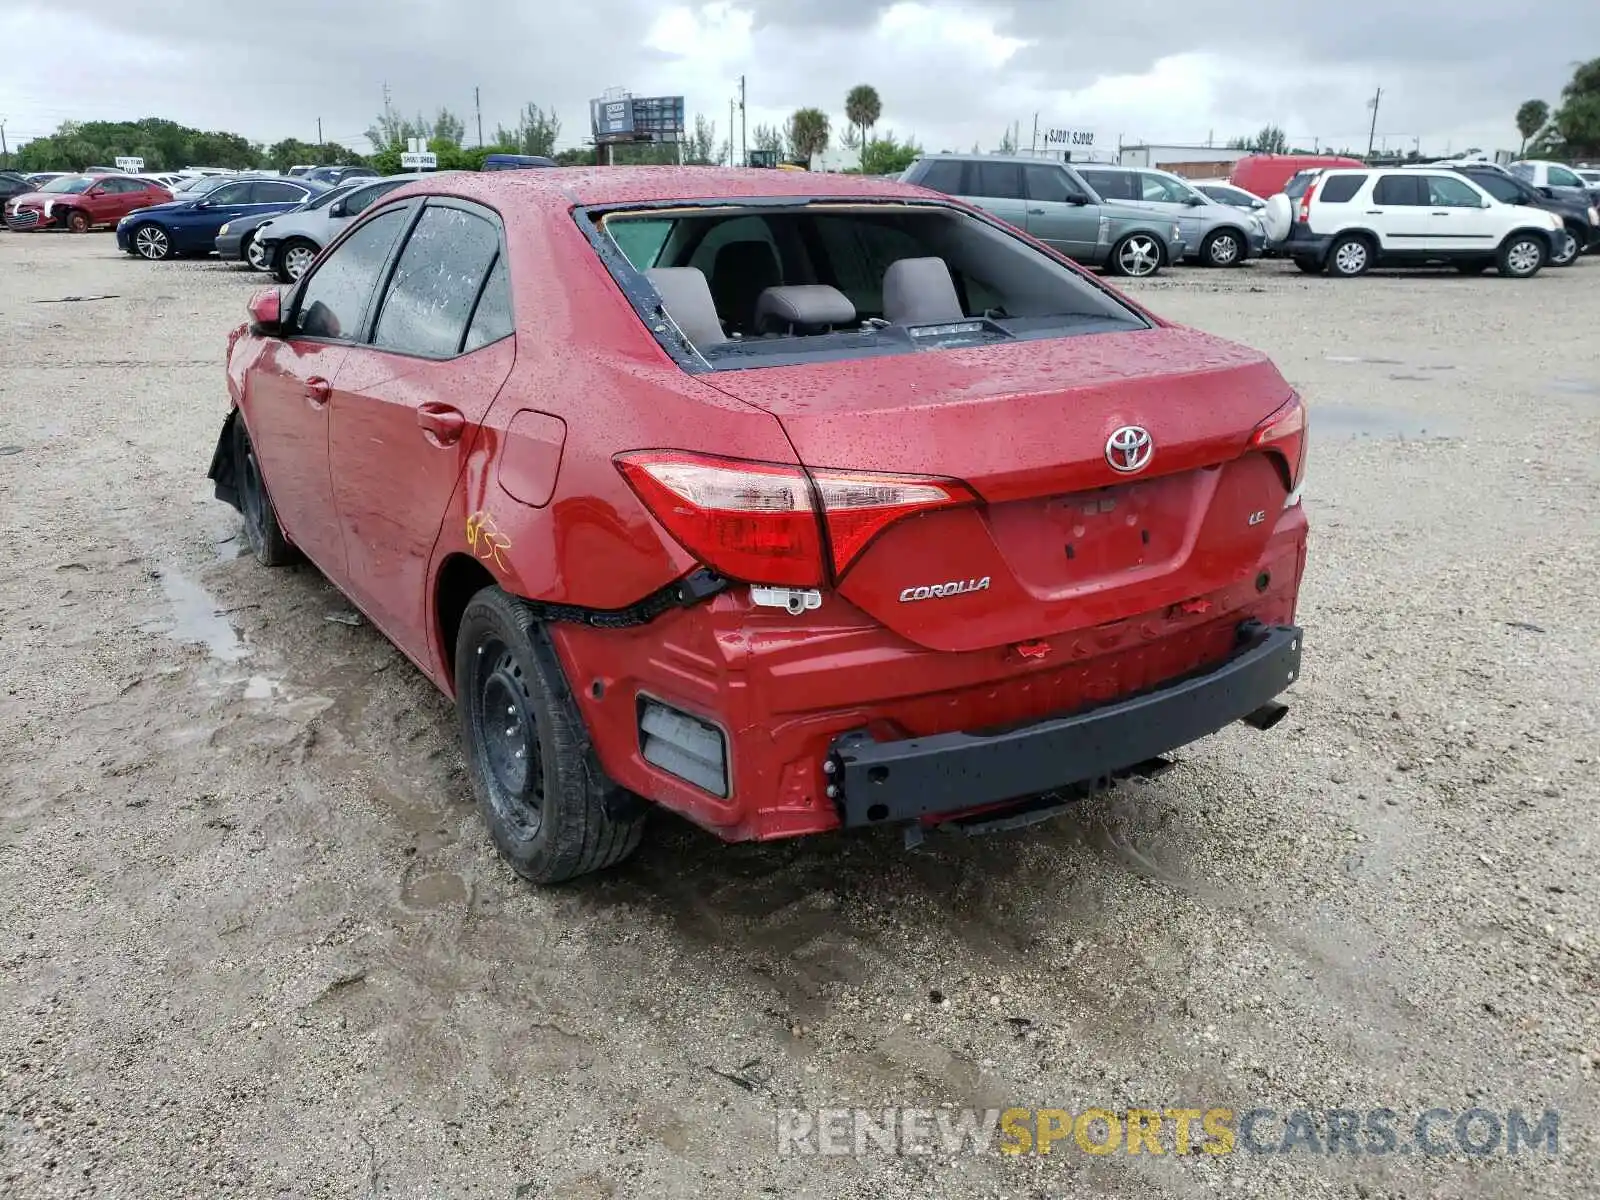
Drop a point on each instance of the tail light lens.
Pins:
(774, 523)
(1283, 435)
(1305, 203)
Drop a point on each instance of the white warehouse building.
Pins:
(1192, 162)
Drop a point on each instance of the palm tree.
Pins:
(1531, 117)
(808, 133)
(862, 108)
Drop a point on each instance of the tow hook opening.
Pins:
(1268, 715)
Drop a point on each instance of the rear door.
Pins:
(289, 386)
(1060, 213)
(407, 406)
(996, 187)
(274, 195)
(1401, 216)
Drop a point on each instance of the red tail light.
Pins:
(1305, 203)
(759, 521)
(1284, 435)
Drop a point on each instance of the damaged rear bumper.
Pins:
(952, 773)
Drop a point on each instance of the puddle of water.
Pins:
(1346, 421)
(1581, 387)
(259, 687)
(1360, 358)
(196, 619)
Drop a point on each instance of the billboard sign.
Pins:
(625, 118)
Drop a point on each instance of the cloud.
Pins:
(951, 72)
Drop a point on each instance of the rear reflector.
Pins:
(684, 746)
(759, 521)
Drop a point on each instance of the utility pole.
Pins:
(1033, 146)
(477, 103)
(731, 103)
(1372, 132)
(319, 131)
(744, 138)
(5, 154)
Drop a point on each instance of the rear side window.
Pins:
(1522, 171)
(1339, 189)
(1561, 177)
(270, 192)
(335, 298)
(998, 180)
(1498, 186)
(364, 198)
(492, 320)
(436, 283)
(1112, 185)
(942, 175)
(1401, 190)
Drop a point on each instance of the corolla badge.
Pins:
(934, 591)
(1129, 448)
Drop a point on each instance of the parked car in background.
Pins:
(1266, 174)
(337, 175)
(189, 224)
(1580, 217)
(516, 162)
(1561, 180)
(40, 178)
(1590, 177)
(288, 244)
(82, 202)
(300, 169)
(167, 179)
(938, 543)
(199, 185)
(1347, 222)
(1215, 235)
(1224, 192)
(1052, 202)
(236, 241)
(12, 184)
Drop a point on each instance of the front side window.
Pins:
(1561, 177)
(1502, 189)
(335, 296)
(436, 283)
(232, 193)
(364, 198)
(1161, 190)
(1447, 191)
(1523, 171)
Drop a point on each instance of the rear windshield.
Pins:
(783, 283)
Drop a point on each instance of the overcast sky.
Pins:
(1452, 71)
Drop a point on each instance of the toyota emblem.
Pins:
(1129, 449)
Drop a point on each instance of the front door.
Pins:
(1456, 211)
(407, 408)
(198, 231)
(289, 388)
(1060, 213)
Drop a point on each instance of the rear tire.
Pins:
(78, 221)
(1222, 248)
(1522, 255)
(262, 532)
(1568, 253)
(1137, 256)
(551, 812)
(1350, 256)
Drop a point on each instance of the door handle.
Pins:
(1374, 212)
(1441, 214)
(1036, 212)
(441, 424)
(318, 390)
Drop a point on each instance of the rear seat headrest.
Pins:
(919, 291)
(686, 296)
(802, 308)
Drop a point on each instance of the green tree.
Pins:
(1575, 126)
(164, 145)
(862, 108)
(700, 147)
(886, 156)
(808, 133)
(769, 138)
(1270, 140)
(1008, 143)
(536, 132)
(447, 127)
(1531, 118)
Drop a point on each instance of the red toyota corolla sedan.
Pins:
(785, 501)
(80, 202)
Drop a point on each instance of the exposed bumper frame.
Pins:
(885, 782)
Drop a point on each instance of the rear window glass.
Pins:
(1340, 189)
(780, 285)
(1112, 185)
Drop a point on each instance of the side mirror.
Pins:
(1197, 201)
(1485, 203)
(336, 209)
(1077, 198)
(266, 311)
(1548, 192)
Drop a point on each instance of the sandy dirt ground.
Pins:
(254, 941)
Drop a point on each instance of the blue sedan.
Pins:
(190, 226)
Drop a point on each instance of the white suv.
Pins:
(1348, 221)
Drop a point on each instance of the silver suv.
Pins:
(1217, 235)
(1052, 202)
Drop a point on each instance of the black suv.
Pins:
(1581, 220)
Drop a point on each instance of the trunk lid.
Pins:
(1061, 541)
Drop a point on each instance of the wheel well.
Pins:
(1366, 235)
(460, 579)
(1547, 236)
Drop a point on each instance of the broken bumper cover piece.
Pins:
(947, 774)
